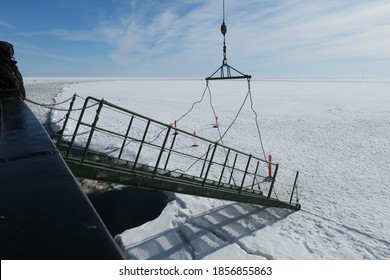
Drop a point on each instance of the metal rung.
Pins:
(226, 173)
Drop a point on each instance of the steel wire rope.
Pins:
(193, 104)
(249, 94)
(207, 89)
(131, 140)
(184, 115)
(164, 129)
(219, 132)
(179, 119)
(221, 135)
(256, 120)
(115, 135)
(261, 141)
(137, 118)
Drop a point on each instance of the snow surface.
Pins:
(336, 133)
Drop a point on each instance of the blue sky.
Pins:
(181, 38)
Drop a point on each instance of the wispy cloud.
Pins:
(305, 31)
(5, 24)
(277, 34)
(301, 34)
(163, 31)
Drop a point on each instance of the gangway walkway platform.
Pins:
(147, 153)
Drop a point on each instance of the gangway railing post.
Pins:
(205, 160)
(77, 127)
(162, 150)
(273, 181)
(92, 130)
(142, 143)
(234, 165)
(61, 132)
(210, 163)
(223, 168)
(170, 150)
(207, 185)
(254, 175)
(245, 172)
(126, 135)
(295, 186)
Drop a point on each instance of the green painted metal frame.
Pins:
(183, 185)
(82, 161)
(226, 73)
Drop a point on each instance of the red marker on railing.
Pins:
(216, 122)
(270, 167)
(195, 145)
(174, 127)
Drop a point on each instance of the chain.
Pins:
(53, 106)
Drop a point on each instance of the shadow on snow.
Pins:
(202, 235)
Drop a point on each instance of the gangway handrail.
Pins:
(244, 169)
(104, 102)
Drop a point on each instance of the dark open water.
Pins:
(128, 208)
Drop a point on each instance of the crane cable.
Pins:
(249, 93)
(224, 31)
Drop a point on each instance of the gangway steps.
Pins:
(112, 170)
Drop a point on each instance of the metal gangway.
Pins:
(147, 153)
